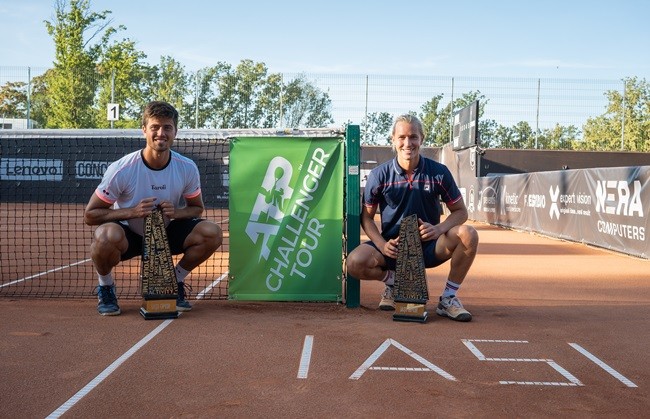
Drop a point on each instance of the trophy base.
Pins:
(159, 309)
(410, 312)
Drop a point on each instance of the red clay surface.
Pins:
(566, 327)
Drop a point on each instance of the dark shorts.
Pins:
(428, 250)
(177, 232)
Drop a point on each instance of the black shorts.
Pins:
(428, 251)
(177, 232)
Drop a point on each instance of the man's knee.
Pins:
(108, 235)
(357, 260)
(468, 236)
(208, 233)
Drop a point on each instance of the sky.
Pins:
(575, 39)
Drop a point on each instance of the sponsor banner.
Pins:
(604, 207)
(86, 169)
(286, 219)
(31, 169)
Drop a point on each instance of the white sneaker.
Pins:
(387, 303)
(452, 307)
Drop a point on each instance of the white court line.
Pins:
(109, 370)
(305, 359)
(368, 364)
(602, 365)
(209, 288)
(102, 376)
(45, 273)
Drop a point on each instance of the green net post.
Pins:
(352, 207)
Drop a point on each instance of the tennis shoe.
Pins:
(107, 304)
(387, 302)
(452, 307)
(181, 303)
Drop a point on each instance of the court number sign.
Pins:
(113, 111)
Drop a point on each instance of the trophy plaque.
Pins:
(410, 291)
(158, 278)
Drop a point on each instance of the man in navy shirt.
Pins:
(413, 184)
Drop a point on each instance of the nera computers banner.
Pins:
(286, 218)
(604, 207)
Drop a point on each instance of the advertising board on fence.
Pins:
(604, 207)
(286, 218)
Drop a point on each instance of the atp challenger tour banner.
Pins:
(286, 218)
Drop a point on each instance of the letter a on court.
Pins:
(368, 364)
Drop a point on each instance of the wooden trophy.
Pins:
(159, 286)
(410, 291)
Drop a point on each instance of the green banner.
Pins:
(286, 219)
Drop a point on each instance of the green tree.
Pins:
(13, 100)
(201, 111)
(304, 105)
(632, 109)
(40, 99)
(487, 130)
(436, 118)
(247, 96)
(433, 119)
(72, 84)
(121, 73)
(504, 137)
(376, 129)
(169, 82)
(523, 136)
(558, 138)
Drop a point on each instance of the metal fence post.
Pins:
(352, 208)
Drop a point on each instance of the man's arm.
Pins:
(193, 209)
(458, 215)
(99, 211)
(387, 248)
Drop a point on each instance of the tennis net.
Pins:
(46, 179)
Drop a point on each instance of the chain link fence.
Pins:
(539, 104)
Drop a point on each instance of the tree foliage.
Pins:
(376, 129)
(13, 100)
(92, 69)
(631, 110)
(71, 85)
(436, 118)
(122, 70)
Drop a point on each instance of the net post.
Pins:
(352, 208)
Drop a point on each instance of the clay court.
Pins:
(560, 329)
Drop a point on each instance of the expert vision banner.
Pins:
(286, 218)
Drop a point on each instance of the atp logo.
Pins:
(269, 208)
(555, 210)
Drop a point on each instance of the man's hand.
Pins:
(390, 248)
(168, 209)
(144, 207)
(429, 231)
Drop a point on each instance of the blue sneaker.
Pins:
(181, 303)
(107, 305)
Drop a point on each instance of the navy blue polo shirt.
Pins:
(398, 196)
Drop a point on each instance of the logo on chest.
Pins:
(158, 187)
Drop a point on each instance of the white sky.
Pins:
(578, 39)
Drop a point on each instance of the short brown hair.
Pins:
(159, 109)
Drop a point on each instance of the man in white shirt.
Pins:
(132, 187)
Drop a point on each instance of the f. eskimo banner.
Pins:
(604, 207)
(286, 219)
